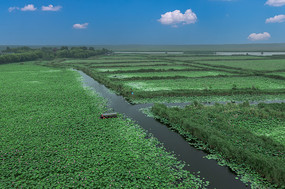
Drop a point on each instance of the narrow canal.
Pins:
(219, 177)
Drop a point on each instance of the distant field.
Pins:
(278, 73)
(190, 48)
(102, 61)
(260, 65)
(170, 74)
(206, 83)
(214, 75)
(214, 57)
(145, 67)
(212, 98)
(132, 64)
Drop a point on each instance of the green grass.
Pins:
(206, 83)
(51, 136)
(170, 74)
(260, 65)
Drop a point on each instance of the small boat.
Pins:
(108, 115)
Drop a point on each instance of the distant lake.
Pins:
(250, 53)
(149, 52)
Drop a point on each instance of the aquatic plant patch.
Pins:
(282, 74)
(214, 98)
(170, 74)
(207, 83)
(260, 65)
(99, 61)
(238, 132)
(52, 136)
(133, 64)
(181, 79)
(214, 57)
(138, 68)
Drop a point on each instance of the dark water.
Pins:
(218, 176)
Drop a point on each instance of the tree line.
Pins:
(21, 54)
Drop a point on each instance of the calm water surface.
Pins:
(250, 53)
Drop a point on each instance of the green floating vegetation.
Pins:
(133, 64)
(214, 83)
(102, 60)
(138, 68)
(260, 65)
(170, 74)
(51, 136)
(250, 137)
(185, 77)
(213, 57)
(212, 98)
(278, 73)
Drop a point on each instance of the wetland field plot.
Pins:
(180, 78)
(249, 138)
(52, 137)
(254, 65)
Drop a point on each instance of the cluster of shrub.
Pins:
(21, 54)
(214, 127)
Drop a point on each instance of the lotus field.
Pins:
(52, 137)
(131, 68)
(250, 139)
(257, 65)
(166, 77)
(206, 83)
(170, 74)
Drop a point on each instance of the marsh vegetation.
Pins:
(53, 117)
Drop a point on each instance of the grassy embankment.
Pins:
(51, 136)
(250, 138)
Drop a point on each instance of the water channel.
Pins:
(214, 53)
(219, 177)
(250, 53)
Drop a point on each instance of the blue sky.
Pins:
(105, 22)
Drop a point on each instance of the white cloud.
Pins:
(275, 3)
(29, 7)
(80, 26)
(259, 36)
(51, 8)
(278, 18)
(176, 17)
(13, 8)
